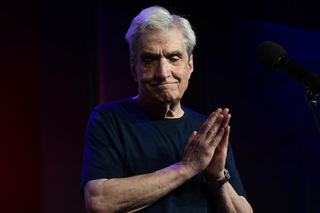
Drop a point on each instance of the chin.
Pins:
(168, 98)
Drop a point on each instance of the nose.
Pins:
(163, 70)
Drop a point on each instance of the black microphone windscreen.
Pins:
(268, 54)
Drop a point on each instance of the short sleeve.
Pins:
(102, 151)
(235, 179)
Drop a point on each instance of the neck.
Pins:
(164, 110)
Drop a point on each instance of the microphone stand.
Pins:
(311, 100)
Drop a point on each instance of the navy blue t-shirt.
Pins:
(124, 140)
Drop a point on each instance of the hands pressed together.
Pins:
(206, 150)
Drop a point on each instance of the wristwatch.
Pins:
(219, 183)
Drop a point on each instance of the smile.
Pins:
(163, 84)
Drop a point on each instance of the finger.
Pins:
(225, 121)
(217, 139)
(225, 111)
(207, 125)
(225, 138)
(228, 130)
(213, 131)
(222, 147)
(192, 136)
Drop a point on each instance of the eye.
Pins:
(149, 60)
(174, 58)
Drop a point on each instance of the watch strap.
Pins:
(219, 183)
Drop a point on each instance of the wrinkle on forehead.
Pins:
(160, 37)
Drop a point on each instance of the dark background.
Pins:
(59, 59)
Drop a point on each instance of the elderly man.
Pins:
(150, 154)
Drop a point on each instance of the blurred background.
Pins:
(60, 59)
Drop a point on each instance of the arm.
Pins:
(133, 193)
(137, 192)
(226, 198)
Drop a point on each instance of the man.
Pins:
(144, 153)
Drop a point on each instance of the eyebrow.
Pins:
(176, 52)
(149, 54)
(156, 55)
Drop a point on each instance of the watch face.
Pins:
(219, 183)
(227, 174)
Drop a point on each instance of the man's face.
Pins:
(163, 68)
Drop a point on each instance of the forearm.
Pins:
(133, 193)
(227, 200)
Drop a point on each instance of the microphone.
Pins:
(273, 57)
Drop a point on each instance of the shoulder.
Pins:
(109, 111)
(114, 107)
(194, 115)
(125, 110)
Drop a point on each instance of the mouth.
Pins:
(163, 84)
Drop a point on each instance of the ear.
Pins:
(133, 70)
(190, 65)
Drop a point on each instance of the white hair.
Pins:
(158, 18)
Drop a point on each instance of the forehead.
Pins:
(159, 40)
